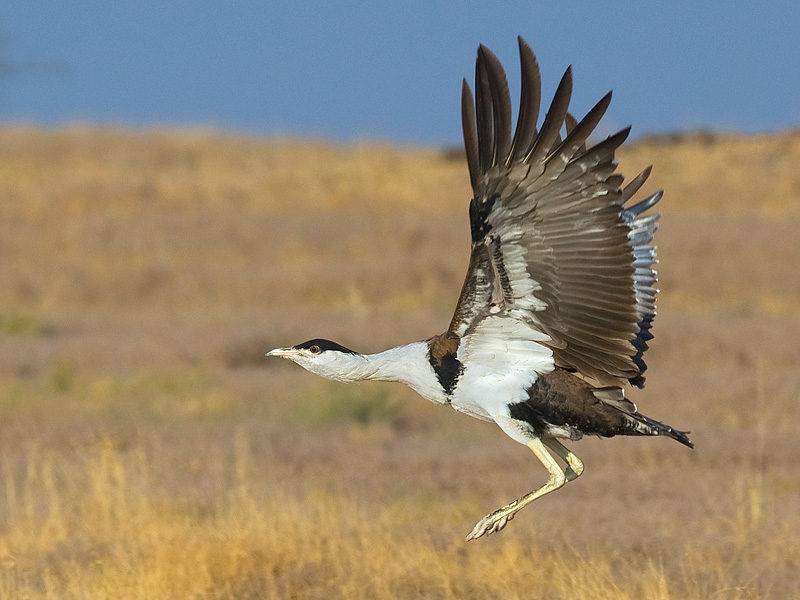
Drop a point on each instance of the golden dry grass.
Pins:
(147, 450)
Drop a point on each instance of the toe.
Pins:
(481, 528)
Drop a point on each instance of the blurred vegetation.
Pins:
(24, 325)
(67, 392)
(330, 403)
(145, 274)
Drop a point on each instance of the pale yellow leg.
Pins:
(498, 519)
(575, 467)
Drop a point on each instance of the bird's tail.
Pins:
(647, 426)
(633, 422)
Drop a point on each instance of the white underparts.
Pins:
(501, 359)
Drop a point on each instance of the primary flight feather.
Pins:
(556, 308)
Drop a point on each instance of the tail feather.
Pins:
(647, 426)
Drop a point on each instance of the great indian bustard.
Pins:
(555, 312)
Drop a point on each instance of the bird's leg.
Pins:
(575, 467)
(498, 519)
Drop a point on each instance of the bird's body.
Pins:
(557, 305)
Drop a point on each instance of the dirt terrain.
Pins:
(149, 450)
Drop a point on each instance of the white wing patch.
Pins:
(515, 260)
(501, 358)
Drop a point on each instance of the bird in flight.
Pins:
(555, 312)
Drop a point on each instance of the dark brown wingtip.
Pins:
(604, 102)
(526, 54)
(470, 132)
(553, 120)
(613, 141)
(636, 183)
(578, 133)
(529, 104)
(622, 135)
(483, 110)
(501, 105)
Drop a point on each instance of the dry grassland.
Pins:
(148, 450)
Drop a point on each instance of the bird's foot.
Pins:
(491, 523)
(500, 518)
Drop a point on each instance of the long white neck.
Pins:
(407, 364)
(390, 365)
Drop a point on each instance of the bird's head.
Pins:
(323, 357)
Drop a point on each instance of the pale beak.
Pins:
(282, 352)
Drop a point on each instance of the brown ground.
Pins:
(148, 450)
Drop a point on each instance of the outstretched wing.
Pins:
(553, 244)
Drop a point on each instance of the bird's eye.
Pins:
(314, 349)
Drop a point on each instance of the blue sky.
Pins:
(392, 70)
